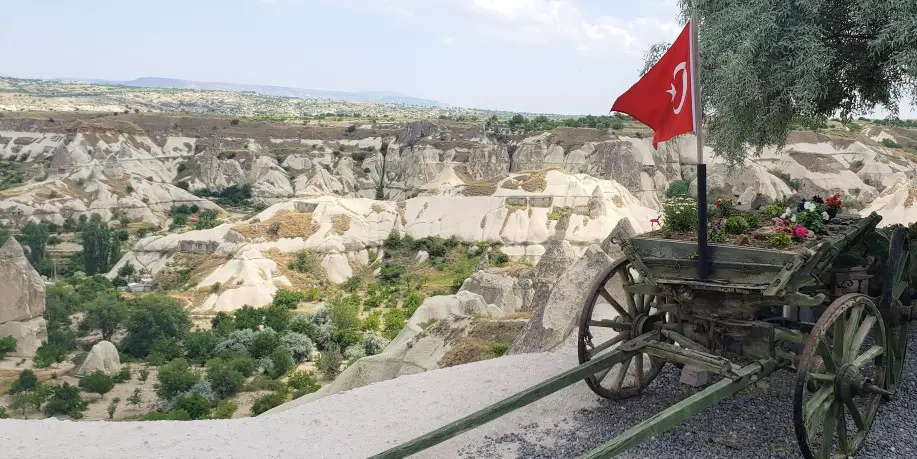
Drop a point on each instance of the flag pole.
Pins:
(703, 252)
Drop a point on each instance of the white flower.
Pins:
(810, 206)
(793, 219)
(825, 216)
(785, 215)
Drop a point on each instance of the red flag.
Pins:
(662, 98)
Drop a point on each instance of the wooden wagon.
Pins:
(743, 321)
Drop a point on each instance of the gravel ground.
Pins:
(757, 423)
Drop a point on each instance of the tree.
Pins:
(195, 405)
(222, 324)
(106, 313)
(287, 298)
(26, 381)
(7, 344)
(65, 399)
(136, 398)
(225, 380)
(329, 361)
(21, 403)
(112, 407)
(100, 246)
(283, 362)
(97, 382)
(35, 237)
(175, 377)
(154, 316)
(344, 313)
(199, 346)
(277, 317)
(767, 66)
(263, 343)
(248, 317)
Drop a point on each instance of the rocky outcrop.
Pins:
(22, 300)
(500, 290)
(102, 357)
(557, 317)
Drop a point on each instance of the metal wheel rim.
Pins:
(823, 396)
(613, 383)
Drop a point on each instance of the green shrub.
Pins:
(142, 374)
(678, 188)
(65, 399)
(225, 380)
(680, 214)
(498, 258)
(26, 381)
(394, 321)
(3, 413)
(225, 410)
(263, 343)
(123, 376)
(175, 377)
(329, 361)
(780, 240)
(174, 415)
(195, 405)
(97, 382)
(283, 362)
(499, 349)
(302, 382)
(772, 211)
(262, 382)
(268, 401)
(7, 345)
(48, 354)
(890, 143)
(736, 225)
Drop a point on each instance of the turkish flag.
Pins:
(662, 98)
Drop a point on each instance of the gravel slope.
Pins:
(370, 419)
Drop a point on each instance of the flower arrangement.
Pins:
(680, 214)
(809, 217)
(723, 208)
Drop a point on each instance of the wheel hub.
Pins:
(850, 382)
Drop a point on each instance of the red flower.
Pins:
(718, 202)
(834, 201)
(801, 232)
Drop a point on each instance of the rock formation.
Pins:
(102, 357)
(22, 300)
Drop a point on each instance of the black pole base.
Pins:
(703, 251)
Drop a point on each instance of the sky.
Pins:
(550, 56)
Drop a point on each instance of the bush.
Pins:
(225, 410)
(195, 405)
(374, 343)
(354, 352)
(3, 413)
(287, 299)
(7, 345)
(499, 349)
(394, 322)
(498, 258)
(65, 399)
(283, 362)
(26, 381)
(175, 377)
(678, 188)
(372, 322)
(225, 380)
(243, 364)
(772, 211)
(344, 313)
(736, 225)
(303, 382)
(123, 376)
(48, 354)
(263, 343)
(262, 382)
(174, 415)
(890, 143)
(199, 346)
(680, 214)
(276, 317)
(299, 344)
(268, 401)
(780, 240)
(248, 317)
(237, 342)
(163, 350)
(152, 317)
(329, 362)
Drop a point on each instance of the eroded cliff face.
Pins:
(22, 300)
(142, 165)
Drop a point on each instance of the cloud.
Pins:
(448, 41)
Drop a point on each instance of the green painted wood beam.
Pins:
(532, 394)
(675, 414)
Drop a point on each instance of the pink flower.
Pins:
(801, 232)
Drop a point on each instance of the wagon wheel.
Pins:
(840, 377)
(896, 295)
(610, 317)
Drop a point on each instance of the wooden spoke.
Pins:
(606, 323)
(825, 353)
(821, 377)
(622, 373)
(607, 344)
(600, 376)
(614, 304)
(638, 369)
(853, 322)
(870, 354)
(827, 435)
(842, 442)
(857, 340)
(855, 414)
(818, 405)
